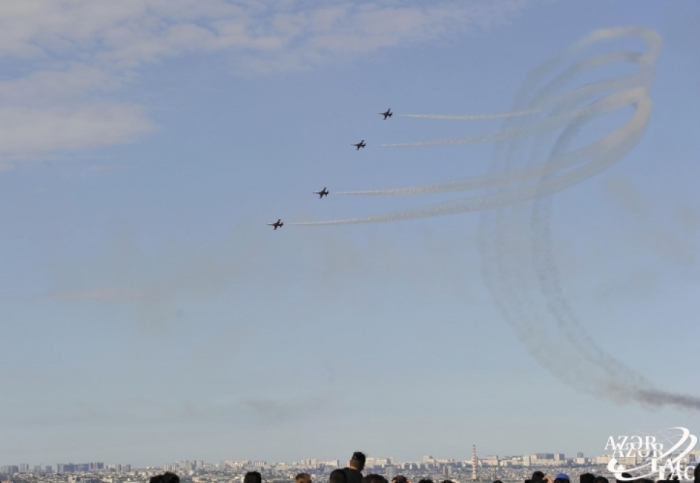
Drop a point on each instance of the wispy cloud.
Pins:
(81, 51)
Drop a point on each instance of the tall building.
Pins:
(474, 462)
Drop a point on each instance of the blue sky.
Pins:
(149, 314)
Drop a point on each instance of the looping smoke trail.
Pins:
(554, 122)
(514, 175)
(516, 213)
(626, 137)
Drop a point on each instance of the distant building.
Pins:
(377, 462)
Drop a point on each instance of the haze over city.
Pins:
(511, 261)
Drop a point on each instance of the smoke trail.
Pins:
(516, 214)
(554, 122)
(570, 72)
(469, 117)
(627, 136)
(599, 372)
(511, 176)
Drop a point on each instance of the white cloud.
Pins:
(49, 129)
(81, 49)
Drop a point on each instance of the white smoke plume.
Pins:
(517, 209)
(469, 117)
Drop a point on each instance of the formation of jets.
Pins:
(324, 191)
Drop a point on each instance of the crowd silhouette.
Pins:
(353, 474)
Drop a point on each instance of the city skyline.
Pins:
(427, 461)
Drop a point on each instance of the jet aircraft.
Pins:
(386, 114)
(359, 145)
(276, 224)
(322, 193)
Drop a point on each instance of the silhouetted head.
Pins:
(374, 478)
(399, 479)
(600, 479)
(165, 478)
(586, 478)
(426, 480)
(537, 476)
(338, 476)
(697, 474)
(357, 462)
(302, 478)
(252, 477)
(498, 481)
